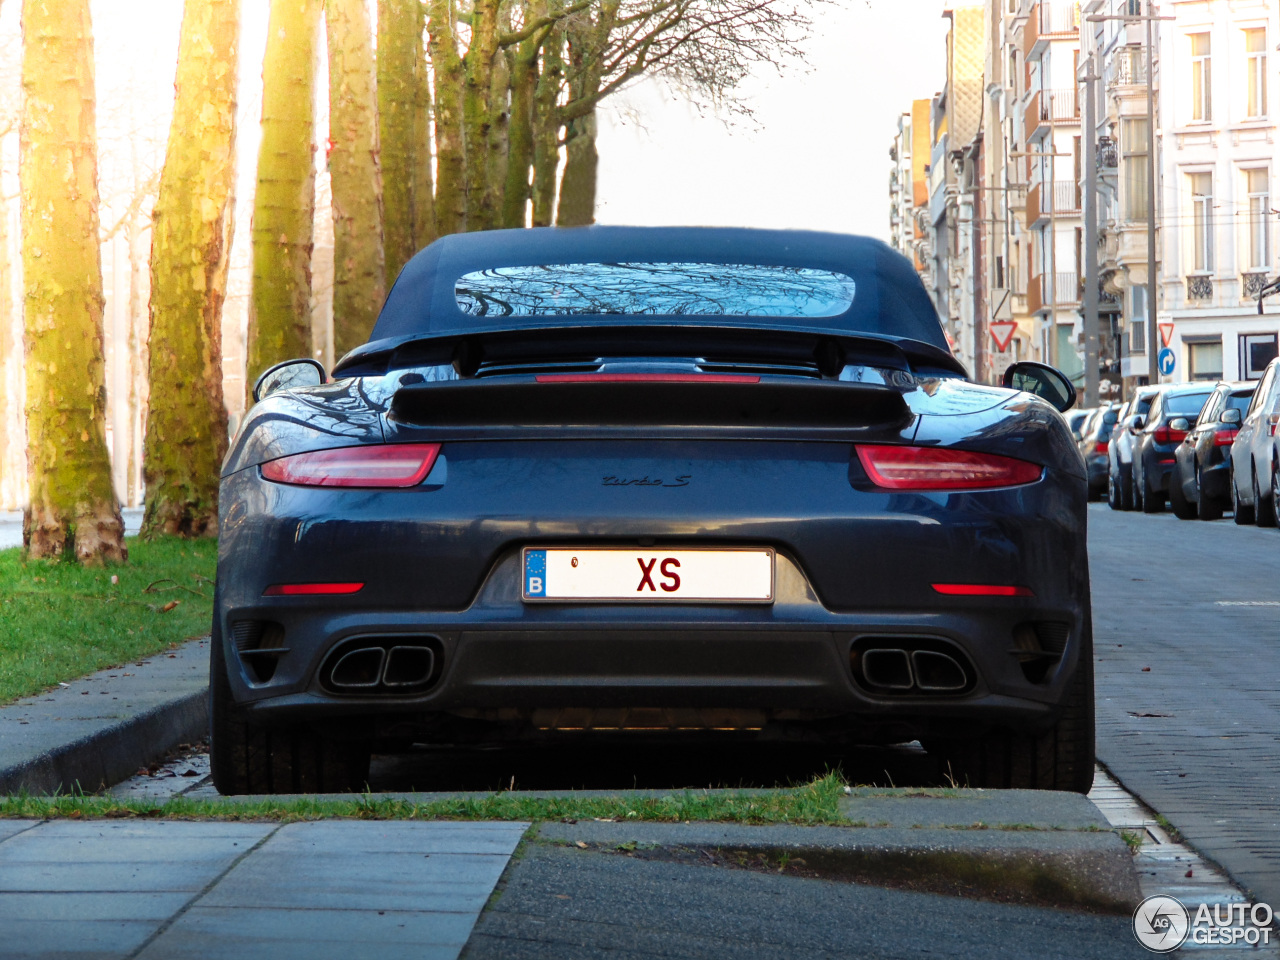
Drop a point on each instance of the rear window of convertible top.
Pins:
(654, 289)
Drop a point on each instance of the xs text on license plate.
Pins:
(742, 575)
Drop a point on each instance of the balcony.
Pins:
(1049, 20)
(1062, 106)
(1127, 67)
(1065, 198)
(1040, 296)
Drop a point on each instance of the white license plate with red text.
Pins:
(729, 575)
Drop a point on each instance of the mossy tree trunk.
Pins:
(359, 278)
(6, 344)
(478, 113)
(450, 72)
(577, 205)
(520, 139)
(402, 132)
(284, 203)
(73, 509)
(190, 242)
(546, 129)
(424, 204)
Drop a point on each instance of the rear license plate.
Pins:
(598, 574)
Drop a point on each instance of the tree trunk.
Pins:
(498, 141)
(280, 307)
(451, 198)
(578, 182)
(73, 509)
(424, 204)
(359, 280)
(524, 82)
(478, 115)
(6, 351)
(546, 130)
(400, 24)
(186, 435)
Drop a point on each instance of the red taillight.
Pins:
(934, 468)
(982, 590)
(394, 465)
(1102, 446)
(645, 378)
(1224, 438)
(1271, 423)
(311, 589)
(1165, 435)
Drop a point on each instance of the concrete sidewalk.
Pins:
(96, 731)
(170, 890)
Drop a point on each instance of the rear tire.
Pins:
(1115, 499)
(1207, 508)
(1152, 502)
(249, 758)
(1061, 758)
(1264, 509)
(1126, 487)
(1241, 513)
(1182, 508)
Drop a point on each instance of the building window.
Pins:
(1202, 221)
(1201, 83)
(1255, 45)
(1137, 319)
(1134, 134)
(1205, 360)
(1256, 351)
(1133, 8)
(1259, 218)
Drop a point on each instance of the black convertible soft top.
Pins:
(890, 300)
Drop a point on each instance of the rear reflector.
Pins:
(310, 589)
(394, 465)
(645, 378)
(934, 468)
(981, 590)
(1224, 438)
(1102, 446)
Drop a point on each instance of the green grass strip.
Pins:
(813, 803)
(60, 621)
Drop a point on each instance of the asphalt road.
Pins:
(1197, 735)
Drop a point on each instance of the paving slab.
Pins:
(1036, 809)
(98, 730)
(1072, 868)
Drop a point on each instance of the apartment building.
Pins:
(1006, 192)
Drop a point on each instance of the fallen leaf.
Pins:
(114, 579)
(169, 606)
(61, 684)
(1146, 669)
(1188, 873)
(580, 845)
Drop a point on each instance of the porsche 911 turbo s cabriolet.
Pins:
(652, 483)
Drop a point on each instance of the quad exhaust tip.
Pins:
(902, 670)
(392, 668)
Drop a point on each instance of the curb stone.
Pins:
(1080, 869)
(100, 729)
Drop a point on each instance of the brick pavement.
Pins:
(1198, 736)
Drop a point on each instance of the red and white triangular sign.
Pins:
(1002, 332)
(1166, 333)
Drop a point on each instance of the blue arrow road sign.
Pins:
(1166, 360)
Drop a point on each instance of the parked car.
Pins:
(625, 484)
(1095, 443)
(1076, 420)
(1157, 436)
(1254, 477)
(1199, 486)
(1120, 494)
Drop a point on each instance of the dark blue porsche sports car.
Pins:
(652, 483)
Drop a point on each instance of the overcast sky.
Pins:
(819, 157)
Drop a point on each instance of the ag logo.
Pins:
(1161, 924)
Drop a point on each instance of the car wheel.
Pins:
(1126, 487)
(1114, 500)
(1182, 508)
(1264, 508)
(1152, 502)
(1061, 758)
(248, 758)
(1206, 507)
(1241, 513)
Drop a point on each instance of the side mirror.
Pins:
(1179, 423)
(1137, 422)
(1230, 416)
(1044, 381)
(288, 375)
